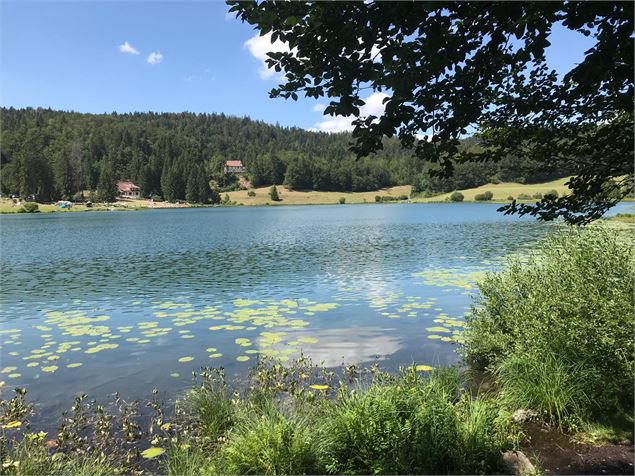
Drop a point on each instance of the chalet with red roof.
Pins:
(127, 189)
(234, 167)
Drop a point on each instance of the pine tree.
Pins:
(273, 193)
(107, 183)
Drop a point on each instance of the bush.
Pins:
(78, 197)
(251, 193)
(485, 196)
(342, 200)
(29, 207)
(551, 194)
(537, 196)
(510, 198)
(273, 194)
(403, 197)
(456, 197)
(157, 198)
(377, 198)
(524, 196)
(573, 299)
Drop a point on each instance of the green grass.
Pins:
(547, 385)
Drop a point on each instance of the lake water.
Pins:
(128, 301)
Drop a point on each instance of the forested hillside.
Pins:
(56, 154)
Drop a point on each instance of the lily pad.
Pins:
(186, 359)
(424, 368)
(152, 452)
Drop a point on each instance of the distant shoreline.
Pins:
(501, 195)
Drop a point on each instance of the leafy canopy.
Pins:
(452, 68)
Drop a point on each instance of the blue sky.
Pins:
(95, 57)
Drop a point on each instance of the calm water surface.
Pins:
(104, 302)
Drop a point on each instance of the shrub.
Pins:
(342, 200)
(551, 194)
(273, 194)
(537, 196)
(524, 196)
(251, 193)
(456, 197)
(485, 196)
(377, 198)
(510, 198)
(30, 207)
(78, 197)
(403, 197)
(572, 298)
(157, 198)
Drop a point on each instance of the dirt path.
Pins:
(558, 455)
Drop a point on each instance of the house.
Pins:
(128, 190)
(234, 167)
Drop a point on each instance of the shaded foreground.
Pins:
(550, 343)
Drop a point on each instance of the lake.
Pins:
(129, 301)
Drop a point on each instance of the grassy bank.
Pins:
(261, 196)
(503, 190)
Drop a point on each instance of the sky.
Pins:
(127, 56)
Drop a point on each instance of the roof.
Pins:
(234, 163)
(126, 187)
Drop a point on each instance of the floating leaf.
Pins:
(308, 340)
(242, 358)
(186, 359)
(152, 452)
(75, 365)
(50, 368)
(12, 424)
(175, 375)
(319, 387)
(15, 375)
(424, 368)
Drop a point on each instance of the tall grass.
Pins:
(547, 385)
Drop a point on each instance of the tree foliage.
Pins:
(451, 67)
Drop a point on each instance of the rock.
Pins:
(520, 416)
(517, 463)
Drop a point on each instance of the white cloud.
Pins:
(374, 106)
(319, 107)
(154, 57)
(259, 46)
(127, 48)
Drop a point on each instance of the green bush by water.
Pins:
(483, 197)
(567, 311)
(456, 197)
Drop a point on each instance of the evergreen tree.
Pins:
(273, 193)
(106, 186)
